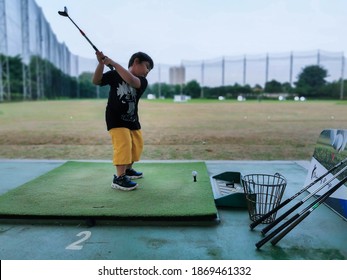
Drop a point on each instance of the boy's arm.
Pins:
(99, 69)
(129, 78)
(98, 74)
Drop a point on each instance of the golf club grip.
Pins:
(108, 65)
(278, 237)
(265, 216)
(281, 218)
(276, 231)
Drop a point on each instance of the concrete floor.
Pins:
(319, 237)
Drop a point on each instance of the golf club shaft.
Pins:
(308, 212)
(296, 206)
(265, 216)
(84, 35)
(65, 14)
(90, 42)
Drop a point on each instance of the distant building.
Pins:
(177, 75)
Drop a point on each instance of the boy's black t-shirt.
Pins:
(122, 105)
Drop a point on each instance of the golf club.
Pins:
(296, 216)
(65, 14)
(264, 217)
(291, 210)
(301, 216)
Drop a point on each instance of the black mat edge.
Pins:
(212, 219)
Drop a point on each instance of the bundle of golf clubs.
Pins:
(281, 231)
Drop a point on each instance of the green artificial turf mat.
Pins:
(83, 189)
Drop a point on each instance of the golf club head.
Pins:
(63, 13)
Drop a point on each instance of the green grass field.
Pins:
(198, 129)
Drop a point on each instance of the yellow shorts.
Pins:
(127, 145)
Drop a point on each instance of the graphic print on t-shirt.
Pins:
(127, 95)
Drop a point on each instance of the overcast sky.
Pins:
(176, 30)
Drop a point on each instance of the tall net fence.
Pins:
(259, 69)
(25, 32)
(249, 69)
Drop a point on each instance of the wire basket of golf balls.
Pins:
(263, 193)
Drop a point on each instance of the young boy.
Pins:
(122, 120)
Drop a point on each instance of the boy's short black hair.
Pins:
(142, 57)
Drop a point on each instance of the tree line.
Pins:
(45, 81)
(311, 83)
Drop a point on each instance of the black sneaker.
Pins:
(123, 183)
(133, 174)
